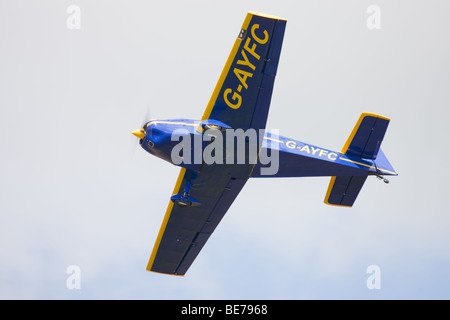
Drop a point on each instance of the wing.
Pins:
(184, 231)
(241, 98)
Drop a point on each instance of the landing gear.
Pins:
(212, 126)
(184, 200)
(380, 177)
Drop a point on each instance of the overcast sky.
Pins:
(77, 190)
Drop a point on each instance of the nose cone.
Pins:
(139, 133)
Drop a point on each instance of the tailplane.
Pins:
(363, 143)
(343, 191)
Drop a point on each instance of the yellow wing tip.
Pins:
(355, 128)
(370, 114)
(327, 196)
(168, 274)
(266, 15)
(165, 220)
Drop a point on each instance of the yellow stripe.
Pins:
(225, 71)
(165, 220)
(265, 15)
(330, 187)
(194, 124)
(366, 165)
(172, 122)
(355, 129)
(273, 140)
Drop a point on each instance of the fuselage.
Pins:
(183, 142)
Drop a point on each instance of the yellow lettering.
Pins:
(314, 150)
(236, 98)
(332, 156)
(290, 144)
(322, 152)
(245, 62)
(259, 40)
(252, 49)
(242, 76)
(305, 148)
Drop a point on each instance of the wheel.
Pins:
(212, 126)
(183, 203)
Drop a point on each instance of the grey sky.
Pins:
(75, 189)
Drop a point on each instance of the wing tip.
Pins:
(165, 273)
(375, 115)
(264, 15)
(334, 204)
(327, 196)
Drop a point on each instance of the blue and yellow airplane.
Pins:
(204, 192)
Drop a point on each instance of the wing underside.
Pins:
(241, 99)
(184, 231)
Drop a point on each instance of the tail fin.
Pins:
(366, 137)
(363, 143)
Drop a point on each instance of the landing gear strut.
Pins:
(379, 176)
(184, 200)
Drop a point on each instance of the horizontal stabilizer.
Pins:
(343, 191)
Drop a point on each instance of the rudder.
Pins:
(366, 137)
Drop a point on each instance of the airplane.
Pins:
(204, 191)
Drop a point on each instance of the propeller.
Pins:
(140, 133)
